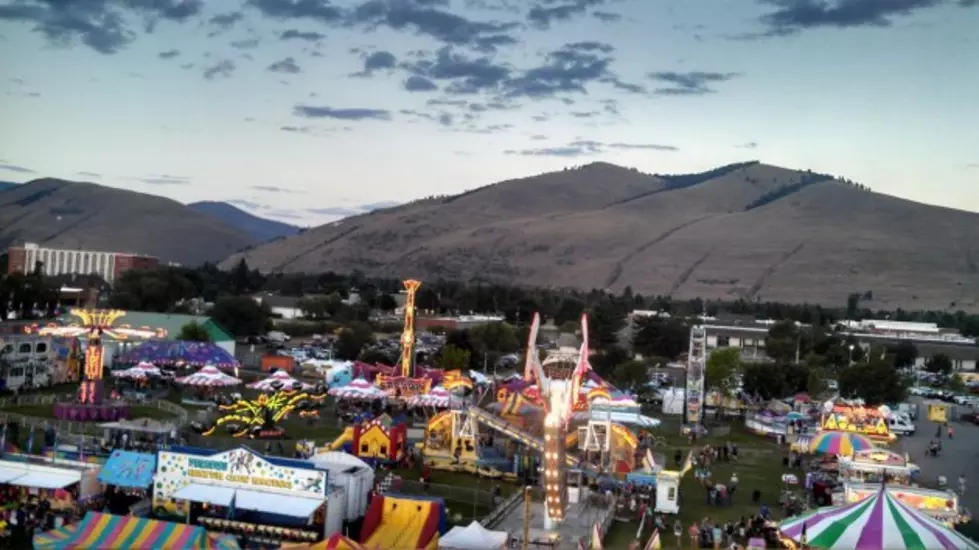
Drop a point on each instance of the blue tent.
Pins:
(129, 469)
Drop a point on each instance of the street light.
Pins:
(851, 355)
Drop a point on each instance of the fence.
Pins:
(463, 504)
(68, 431)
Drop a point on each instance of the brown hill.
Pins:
(68, 214)
(749, 230)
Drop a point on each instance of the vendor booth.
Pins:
(940, 505)
(872, 465)
(242, 488)
(60, 482)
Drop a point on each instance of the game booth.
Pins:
(270, 500)
(63, 483)
(867, 421)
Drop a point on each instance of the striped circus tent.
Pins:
(878, 522)
(336, 542)
(840, 443)
(98, 530)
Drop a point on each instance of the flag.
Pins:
(654, 542)
(596, 538)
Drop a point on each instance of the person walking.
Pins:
(962, 485)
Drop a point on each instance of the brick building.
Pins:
(57, 261)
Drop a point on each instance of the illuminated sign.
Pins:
(872, 426)
(400, 386)
(938, 412)
(931, 501)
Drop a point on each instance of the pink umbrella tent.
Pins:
(358, 389)
(279, 380)
(141, 371)
(209, 377)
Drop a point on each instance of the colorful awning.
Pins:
(878, 522)
(108, 531)
(129, 469)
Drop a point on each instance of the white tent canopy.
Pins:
(139, 372)
(473, 537)
(279, 380)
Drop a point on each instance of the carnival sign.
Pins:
(238, 468)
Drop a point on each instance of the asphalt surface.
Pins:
(959, 456)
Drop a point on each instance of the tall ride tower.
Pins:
(408, 334)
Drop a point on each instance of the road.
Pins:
(959, 456)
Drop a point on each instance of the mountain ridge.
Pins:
(72, 214)
(747, 230)
(261, 229)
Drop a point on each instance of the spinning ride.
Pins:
(258, 418)
(91, 405)
(407, 384)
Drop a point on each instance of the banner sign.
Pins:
(238, 468)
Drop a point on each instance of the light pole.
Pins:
(851, 355)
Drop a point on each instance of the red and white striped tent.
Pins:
(436, 397)
(358, 389)
(209, 377)
(279, 380)
(141, 371)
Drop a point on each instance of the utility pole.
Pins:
(526, 517)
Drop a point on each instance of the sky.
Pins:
(306, 110)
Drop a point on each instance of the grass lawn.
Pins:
(759, 468)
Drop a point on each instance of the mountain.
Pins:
(60, 213)
(4, 185)
(748, 230)
(260, 229)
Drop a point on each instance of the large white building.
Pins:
(59, 261)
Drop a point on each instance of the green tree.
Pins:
(905, 354)
(783, 342)
(939, 364)
(494, 337)
(630, 375)
(569, 311)
(241, 316)
(152, 289)
(605, 361)
(655, 336)
(605, 320)
(765, 380)
(352, 339)
(875, 381)
(722, 366)
(452, 358)
(386, 302)
(194, 332)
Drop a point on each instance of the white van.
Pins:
(900, 424)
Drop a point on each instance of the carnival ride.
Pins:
(378, 440)
(257, 418)
(396, 521)
(91, 405)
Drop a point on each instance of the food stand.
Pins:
(940, 505)
(872, 465)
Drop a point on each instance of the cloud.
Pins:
(105, 27)
(272, 189)
(283, 214)
(251, 205)
(377, 61)
(550, 11)
(308, 111)
(166, 179)
(169, 54)
(974, 164)
(90, 174)
(246, 43)
(295, 34)
(370, 207)
(316, 10)
(15, 168)
(343, 212)
(296, 129)
(789, 17)
(582, 148)
(606, 16)
(749, 145)
(466, 74)
(568, 69)
(689, 83)
(222, 69)
(287, 66)
(424, 18)
(225, 21)
(416, 83)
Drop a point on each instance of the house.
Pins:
(283, 307)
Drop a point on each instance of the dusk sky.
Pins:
(304, 110)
